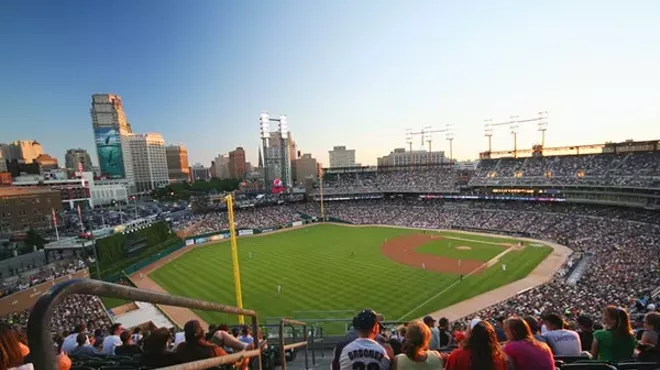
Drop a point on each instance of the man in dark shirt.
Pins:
(586, 332)
(127, 348)
(499, 329)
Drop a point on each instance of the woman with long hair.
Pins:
(480, 350)
(416, 354)
(523, 350)
(11, 354)
(617, 341)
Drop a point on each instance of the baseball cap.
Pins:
(365, 320)
(428, 319)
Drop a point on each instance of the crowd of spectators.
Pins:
(26, 277)
(251, 217)
(423, 179)
(639, 169)
(625, 252)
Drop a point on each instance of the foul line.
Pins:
(444, 290)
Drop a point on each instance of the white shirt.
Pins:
(564, 342)
(364, 354)
(109, 344)
(136, 338)
(70, 342)
(179, 337)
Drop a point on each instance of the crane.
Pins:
(426, 136)
(514, 123)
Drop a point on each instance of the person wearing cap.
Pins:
(435, 333)
(363, 353)
(586, 332)
(71, 341)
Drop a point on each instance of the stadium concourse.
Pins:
(608, 282)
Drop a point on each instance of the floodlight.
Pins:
(264, 125)
(514, 124)
(427, 134)
(284, 126)
(409, 136)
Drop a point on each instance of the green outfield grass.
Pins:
(317, 271)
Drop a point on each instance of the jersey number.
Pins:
(370, 366)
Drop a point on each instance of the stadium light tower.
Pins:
(514, 131)
(264, 128)
(409, 141)
(449, 135)
(489, 133)
(543, 126)
(283, 131)
(427, 136)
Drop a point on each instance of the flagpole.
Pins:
(57, 233)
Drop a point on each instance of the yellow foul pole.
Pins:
(321, 194)
(234, 255)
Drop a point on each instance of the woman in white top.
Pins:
(416, 354)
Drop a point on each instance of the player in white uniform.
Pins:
(503, 267)
(364, 353)
(279, 290)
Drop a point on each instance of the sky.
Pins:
(353, 73)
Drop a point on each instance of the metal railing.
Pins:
(285, 347)
(41, 343)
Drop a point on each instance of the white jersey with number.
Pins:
(364, 354)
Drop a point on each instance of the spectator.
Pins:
(586, 332)
(363, 352)
(82, 348)
(652, 326)
(224, 339)
(137, 335)
(155, 350)
(98, 339)
(523, 351)
(562, 342)
(446, 338)
(127, 348)
(112, 341)
(417, 355)
(480, 350)
(617, 342)
(71, 340)
(499, 329)
(535, 328)
(195, 346)
(246, 336)
(11, 353)
(435, 333)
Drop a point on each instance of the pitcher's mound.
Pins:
(463, 248)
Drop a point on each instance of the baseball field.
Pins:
(402, 273)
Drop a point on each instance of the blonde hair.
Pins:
(418, 336)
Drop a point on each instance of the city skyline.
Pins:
(357, 75)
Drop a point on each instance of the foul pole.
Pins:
(321, 195)
(234, 255)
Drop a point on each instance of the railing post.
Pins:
(306, 347)
(282, 350)
(313, 348)
(255, 333)
(322, 342)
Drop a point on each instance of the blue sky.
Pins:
(354, 73)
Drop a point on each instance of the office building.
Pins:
(76, 158)
(401, 157)
(278, 159)
(46, 162)
(237, 165)
(112, 132)
(22, 209)
(221, 167)
(149, 161)
(199, 172)
(341, 157)
(177, 162)
(22, 151)
(306, 167)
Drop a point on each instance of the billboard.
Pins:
(108, 147)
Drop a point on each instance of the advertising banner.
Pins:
(296, 223)
(108, 147)
(245, 232)
(216, 237)
(263, 231)
(201, 240)
(190, 241)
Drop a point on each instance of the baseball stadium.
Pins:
(541, 236)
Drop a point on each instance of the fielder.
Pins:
(424, 266)
(141, 276)
(503, 267)
(250, 255)
(279, 290)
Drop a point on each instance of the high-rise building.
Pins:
(341, 157)
(221, 166)
(177, 162)
(112, 133)
(76, 157)
(278, 158)
(199, 172)
(401, 157)
(22, 151)
(237, 166)
(149, 161)
(46, 162)
(306, 167)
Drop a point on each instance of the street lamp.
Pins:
(450, 137)
(427, 137)
(543, 125)
(489, 133)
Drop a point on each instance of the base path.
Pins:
(402, 249)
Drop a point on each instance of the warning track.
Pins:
(402, 250)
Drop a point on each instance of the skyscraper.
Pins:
(221, 165)
(149, 161)
(23, 151)
(237, 166)
(75, 157)
(112, 132)
(177, 162)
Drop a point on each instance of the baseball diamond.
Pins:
(336, 267)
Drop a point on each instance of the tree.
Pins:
(32, 239)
